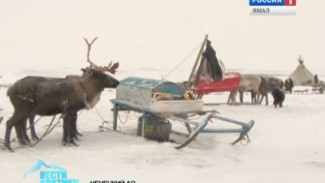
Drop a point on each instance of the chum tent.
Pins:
(302, 76)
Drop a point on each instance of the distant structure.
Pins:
(302, 76)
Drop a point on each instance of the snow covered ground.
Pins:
(286, 146)
(149, 38)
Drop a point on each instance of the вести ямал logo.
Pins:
(52, 174)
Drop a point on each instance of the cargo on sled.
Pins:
(162, 103)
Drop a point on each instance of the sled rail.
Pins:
(201, 128)
(194, 127)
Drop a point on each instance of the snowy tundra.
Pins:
(149, 38)
(286, 146)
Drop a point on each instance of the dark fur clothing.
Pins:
(278, 97)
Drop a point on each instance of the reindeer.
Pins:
(248, 82)
(43, 96)
(268, 84)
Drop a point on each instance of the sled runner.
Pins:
(167, 100)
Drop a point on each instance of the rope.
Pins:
(100, 116)
(126, 119)
(109, 123)
(14, 139)
(37, 120)
(48, 130)
(45, 133)
(180, 63)
(102, 126)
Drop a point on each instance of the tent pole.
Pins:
(196, 62)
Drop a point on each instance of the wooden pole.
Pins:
(197, 61)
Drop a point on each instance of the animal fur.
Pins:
(42, 96)
(278, 97)
(268, 84)
(248, 82)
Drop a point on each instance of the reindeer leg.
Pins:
(65, 131)
(75, 129)
(229, 98)
(252, 97)
(267, 99)
(77, 133)
(241, 96)
(23, 131)
(68, 129)
(258, 97)
(20, 135)
(7, 137)
(32, 127)
(14, 121)
(261, 100)
(232, 97)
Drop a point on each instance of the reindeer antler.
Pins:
(110, 68)
(88, 52)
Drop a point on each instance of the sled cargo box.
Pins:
(157, 128)
(143, 92)
(230, 82)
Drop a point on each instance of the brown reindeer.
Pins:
(42, 96)
(268, 84)
(248, 82)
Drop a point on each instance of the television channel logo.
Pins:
(51, 174)
(272, 7)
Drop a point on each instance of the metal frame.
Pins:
(200, 126)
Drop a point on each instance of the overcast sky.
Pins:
(47, 35)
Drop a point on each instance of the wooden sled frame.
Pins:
(200, 127)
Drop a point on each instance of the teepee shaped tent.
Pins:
(301, 76)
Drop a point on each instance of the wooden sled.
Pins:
(199, 127)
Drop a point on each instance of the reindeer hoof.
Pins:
(79, 134)
(35, 138)
(24, 143)
(68, 144)
(75, 144)
(76, 138)
(27, 141)
(27, 145)
(65, 143)
(8, 148)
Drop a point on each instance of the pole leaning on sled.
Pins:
(196, 61)
(167, 100)
(201, 128)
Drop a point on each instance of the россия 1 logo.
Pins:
(272, 7)
(53, 173)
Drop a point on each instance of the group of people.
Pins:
(288, 85)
